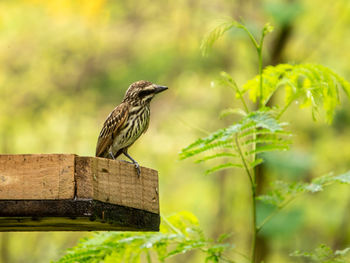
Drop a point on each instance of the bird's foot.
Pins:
(138, 169)
(111, 154)
(137, 166)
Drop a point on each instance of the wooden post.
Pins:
(49, 192)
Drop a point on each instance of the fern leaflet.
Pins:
(313, 85)
(257, 132)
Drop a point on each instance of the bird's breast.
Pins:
(135, 125)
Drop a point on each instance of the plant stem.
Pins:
(254, 228)
(252, 38)
(240, 96)
(259, 50)
(286, 106)
(251, 177)
(177, 231)
(270, 216)
(243, 160)
(254, 223)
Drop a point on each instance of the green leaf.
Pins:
(312, 85)
(343, 178)
(180, 233)
(263, 119)
(223, 237)
(209, 39)
(217, 155)
(342, 252)
(324, 254)
(257, 132)
(227, 112)
(222, 167)
(283, 191)
(186, 246)
(256, 162)
(269, 148)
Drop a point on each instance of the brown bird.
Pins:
(125, 124)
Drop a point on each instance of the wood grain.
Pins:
(45, 192)
(117, 182)
(37, 176)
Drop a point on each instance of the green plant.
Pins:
(240, 145)
(324, 254)
(243, 144)
(178, 234)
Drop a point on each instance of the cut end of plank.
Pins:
(31, 182)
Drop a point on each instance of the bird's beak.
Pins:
(159, 89)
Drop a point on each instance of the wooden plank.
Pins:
(117, 182)
(73, 215)
(44, 192)
(37, 176)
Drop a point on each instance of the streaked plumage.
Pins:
(125, 124)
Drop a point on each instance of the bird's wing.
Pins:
(110, 128)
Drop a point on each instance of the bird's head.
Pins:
(142, 92)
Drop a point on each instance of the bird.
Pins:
(127, 122)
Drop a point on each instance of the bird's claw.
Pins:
(138, 169)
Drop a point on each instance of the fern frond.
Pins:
(313, 85)
(209, 39)
(217, 155)
(264, 132)
(220, 138)
(255, 163)
(263, 119)
(282, 191)
(269, 148)
(267, 140)
(324, 254)
(180, 233)
(257, 132)
(223, 166)
(230, 111)
(206, 147)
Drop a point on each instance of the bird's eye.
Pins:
(144, 93)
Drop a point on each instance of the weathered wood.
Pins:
(73, 215)
(37, 176)
(46, 191)
(117, 182)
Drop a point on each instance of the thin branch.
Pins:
(240, 96)
(192, 126)
(288, 104)
(224, 258)
(253, 187)
(252, 38)
(177, 231)
(243, 159)
(276, 211)
(259, 50)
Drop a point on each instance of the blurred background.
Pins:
(64, 65)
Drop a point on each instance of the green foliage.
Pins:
(257, 132)
(215, 34)
(324, 254)
(209, 40)
(310, 85)
(240, 145)
(282, 192)
(243, 143)
(66, 64)
(179, 234)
